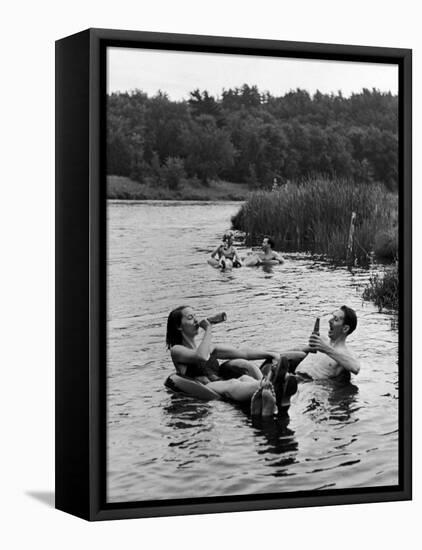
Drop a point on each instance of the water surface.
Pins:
(163, 446)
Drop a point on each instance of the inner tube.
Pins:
(225, 264)
(251, 260)
(188, 386)
(213, 262)
(254, 260)
(191, 387)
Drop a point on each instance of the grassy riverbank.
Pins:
(383, 290)
(315, 216)
(119, 187)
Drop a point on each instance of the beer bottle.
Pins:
(315, 331)
(217, 318)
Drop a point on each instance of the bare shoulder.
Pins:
(177, 351)
(182, 354)
(346, 349)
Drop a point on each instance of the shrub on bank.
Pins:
(384, 289)
(315, 215)
(386, 243)
(173, 172)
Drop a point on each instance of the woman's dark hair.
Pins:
(350, 318)
(174, 335)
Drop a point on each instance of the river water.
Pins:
(163, 446)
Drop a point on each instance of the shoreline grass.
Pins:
(314, 216)
(120, 187)
(383, 289)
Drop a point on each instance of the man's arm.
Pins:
(342, 357)
(346, 360)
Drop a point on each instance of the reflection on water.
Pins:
(278, 436)
(162, 445)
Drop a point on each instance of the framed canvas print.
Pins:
(233, 281)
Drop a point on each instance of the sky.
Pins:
(178, 73)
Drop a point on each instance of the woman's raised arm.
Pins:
(216, 252)
(183, 354)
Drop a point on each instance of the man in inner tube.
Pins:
(267, 254)
(333, 359)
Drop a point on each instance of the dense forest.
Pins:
(246, 136)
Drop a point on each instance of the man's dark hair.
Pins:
(350, 318)
(174, 336)
(270, 241)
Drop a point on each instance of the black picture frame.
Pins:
(81, 274)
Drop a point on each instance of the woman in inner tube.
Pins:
(200, 361)
(225, 255)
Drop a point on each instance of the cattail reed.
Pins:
(314, 216)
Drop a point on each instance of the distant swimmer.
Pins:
(225, 255)
(267, 256)
(334, 359)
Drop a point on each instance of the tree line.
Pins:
(254, 137)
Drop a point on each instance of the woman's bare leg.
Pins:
(251, 369)
(256, 403)
(268, 400)
(239, 389)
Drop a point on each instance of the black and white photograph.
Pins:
(210, 232)
(252, 302)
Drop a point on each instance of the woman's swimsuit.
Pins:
(193, 370)
(229, 253)
(225, 371)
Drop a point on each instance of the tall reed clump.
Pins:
(384, 289)
(314, 215)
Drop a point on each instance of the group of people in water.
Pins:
(225, 255)
(230, 372)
